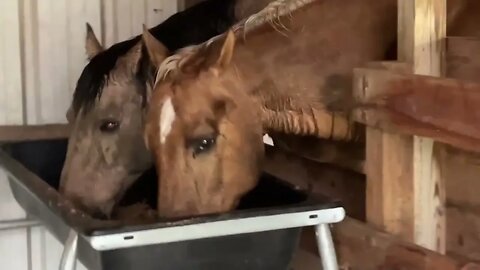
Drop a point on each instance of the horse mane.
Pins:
(273, 11)
(175, 32)
(96, 73)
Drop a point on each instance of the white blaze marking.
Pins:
(167, 116)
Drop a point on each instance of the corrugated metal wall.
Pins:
(41, 56)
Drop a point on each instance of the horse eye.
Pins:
(109, 126)
(202, 145)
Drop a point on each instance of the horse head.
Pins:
(204, 131)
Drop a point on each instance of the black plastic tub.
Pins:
(261, 234)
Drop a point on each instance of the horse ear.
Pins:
(227, 50)
(130, 62)
(224, 56)
(92, 46)
(156, 50)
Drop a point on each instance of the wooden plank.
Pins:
(438, 108)
(346, 155)
(462, 62)
(393, 66)
(33, 132)
(421, 32)
(463, 202)
(463, 232)
(464, 168)
(385, 175)
(362, 247)
(331, 181)
(405, 195)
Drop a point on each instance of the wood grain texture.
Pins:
(438, 108)
(33, 132)
(361, 247)
(325, 179)
(462, 63)
(405, 193)
(387, 175)
(422, 30)
(346, 155)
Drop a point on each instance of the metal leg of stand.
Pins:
(326, 247)
(69, 255)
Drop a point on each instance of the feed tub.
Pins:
(261, 234)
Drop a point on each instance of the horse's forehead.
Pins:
(118, 93)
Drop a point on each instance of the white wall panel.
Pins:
(14, 243)
(45, 49)
(42, 53)
(11, 101)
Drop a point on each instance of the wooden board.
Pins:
(326, 179)
(463, 202)
(346, 155)
(422, 27)
(438, 108)
(462, 61)
(388, 175)
(33, 132)
(405, 194)
(361, 247)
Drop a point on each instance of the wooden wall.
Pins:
(41, 56)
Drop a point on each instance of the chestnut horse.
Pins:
(287, 69)
(106, 152)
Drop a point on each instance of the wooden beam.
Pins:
(362, 247)
(438, 108)
(33, 132)
(463, 62)
(325, 179)
(422, 28)
(346, 155)
(404, 194)
(387, 175)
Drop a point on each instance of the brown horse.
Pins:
(106, 152)
(286, 69)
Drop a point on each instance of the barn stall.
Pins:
(414, 209)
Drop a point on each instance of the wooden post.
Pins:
(405, 192)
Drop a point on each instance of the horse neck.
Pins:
(317, 51)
